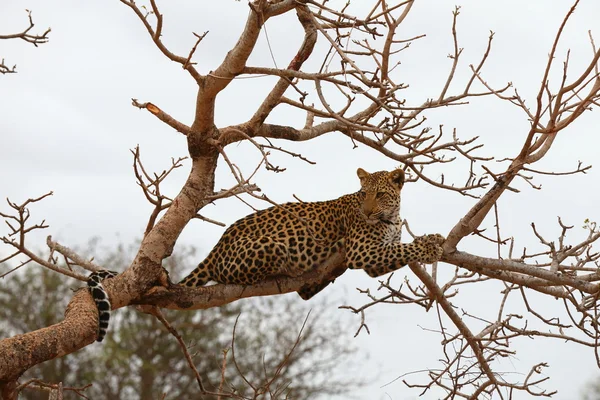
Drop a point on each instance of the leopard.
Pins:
(290, 239)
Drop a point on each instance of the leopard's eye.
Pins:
(380, 195)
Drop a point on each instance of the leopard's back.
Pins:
(287, 239)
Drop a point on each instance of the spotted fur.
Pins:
(292, 238)
(100, 296)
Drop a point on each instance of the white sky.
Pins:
(67, 125)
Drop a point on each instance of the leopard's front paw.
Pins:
(429, 247)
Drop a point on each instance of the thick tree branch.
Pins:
(183, 298)
(234, 62)
(474, 263)
(78, 329)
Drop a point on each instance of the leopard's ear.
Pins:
(397, 178)
(362, 174)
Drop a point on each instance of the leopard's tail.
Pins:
(198, 277)
(101, 299)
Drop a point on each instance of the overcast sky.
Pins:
(67, 125)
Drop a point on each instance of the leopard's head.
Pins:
(381, 195)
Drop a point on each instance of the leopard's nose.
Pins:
(368, 206)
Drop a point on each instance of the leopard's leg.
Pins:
(307, 291)
(199, 276)
(378, 258)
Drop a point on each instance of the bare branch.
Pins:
(27, 36)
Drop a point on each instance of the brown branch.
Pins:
(4, 69)
(536, 118)
(159, 315)
(455, 57)
(438, 295)
(193, 50)
(41, 385)
(231, 134)
(150, 185)
(156, 34)
(44, 263)
(183, 298)
(70, 254)
(34, 39)
(77, 330)
(234, 62)
(223, 368)
(163, 116)
(473, 262)
(305, 50)
(471, 221)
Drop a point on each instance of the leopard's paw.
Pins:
(429, 247)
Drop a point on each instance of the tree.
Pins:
(140, 360)
(591, 391)
(358, 94)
